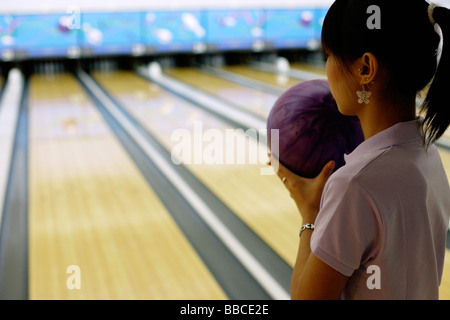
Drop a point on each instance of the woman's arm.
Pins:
(311, 278)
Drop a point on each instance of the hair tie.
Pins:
(430, 13)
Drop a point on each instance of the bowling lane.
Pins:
(261, 201)
(308, 67)
(255, 101)
(89, 206)
(279, 80)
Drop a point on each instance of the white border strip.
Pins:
(294, 73)
(9, 114)
(272, 287)
(244, 80)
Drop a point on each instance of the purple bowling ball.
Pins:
(312, 131)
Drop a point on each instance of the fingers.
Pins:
(280, 170)
(327, 170)
(276, 165)
(306, 192)
(286, 175)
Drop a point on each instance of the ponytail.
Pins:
(436, 105)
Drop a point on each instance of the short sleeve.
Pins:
(346, 227)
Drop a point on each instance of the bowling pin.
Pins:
(282, 65)
(154, 69)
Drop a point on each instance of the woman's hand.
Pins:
(305, 192)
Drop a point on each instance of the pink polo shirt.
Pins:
(384, 217)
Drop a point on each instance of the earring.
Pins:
(364, 95)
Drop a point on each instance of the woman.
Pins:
(376, 228)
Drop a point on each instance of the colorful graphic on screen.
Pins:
(110, 32)
(39, 35)
(174, 31)
(292, 28)
(7, 25)
(236, 29)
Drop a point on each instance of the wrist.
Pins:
(309, 215)
(305, 227)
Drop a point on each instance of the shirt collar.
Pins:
(398, 134)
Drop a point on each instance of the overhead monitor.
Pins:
(239, 29)
(7, 40)
(110, 33)
(292, 29)
(174, 31)
(39, 35)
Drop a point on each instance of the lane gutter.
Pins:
(14, 220)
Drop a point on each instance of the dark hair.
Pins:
(406, 44)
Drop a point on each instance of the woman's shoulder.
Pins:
(366, 164)
(389, 172)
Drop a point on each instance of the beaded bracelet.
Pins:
(304, 227)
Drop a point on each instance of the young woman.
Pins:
(376, 228)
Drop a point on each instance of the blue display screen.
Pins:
(110, 32)
(7, 27)
(291, 28)
(39, 34)
(174, 30)
(235, 29)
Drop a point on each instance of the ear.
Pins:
(368, 68)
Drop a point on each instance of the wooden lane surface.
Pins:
(261, 201)
(307, 67)
(255, 101)
(89, 206)
(279, 80)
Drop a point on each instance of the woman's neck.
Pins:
(380, 115)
